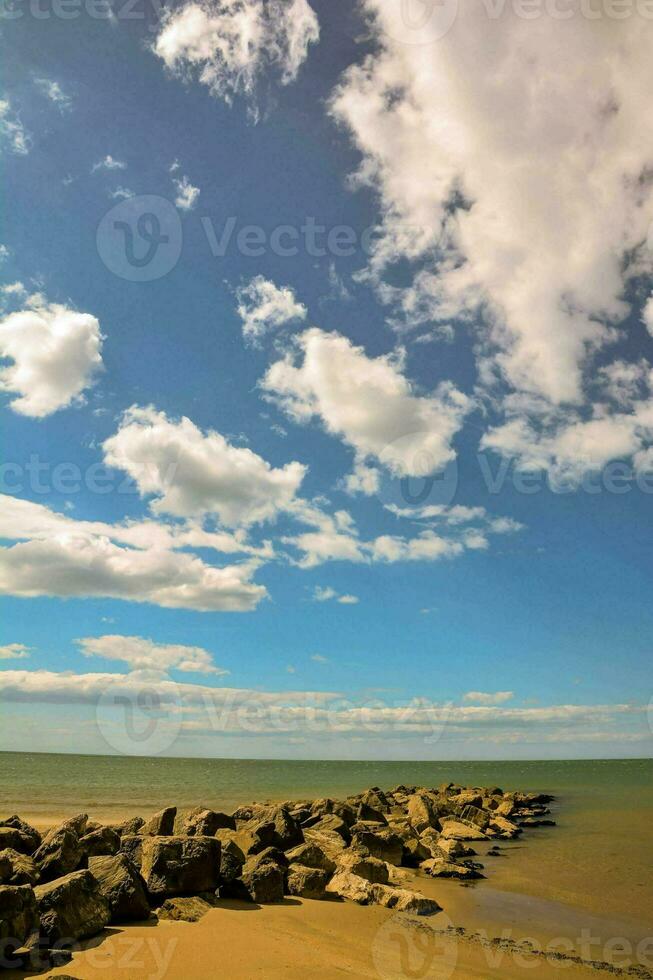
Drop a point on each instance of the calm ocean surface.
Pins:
(599, 857)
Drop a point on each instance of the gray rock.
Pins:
(101, 841)
(232, 860)
(204, 823)
(180, 865)
(351, 887)
(72, 907)
(382, 844)
(307, 882)
(161, 824)
(131, 826)
(16, 823)
(311, 856)
(364, 866)
(190, 908)
(132, 846)
(17, 868)
(60, 852)
(403, 900)
(19, 917)
(122, 886)
(16, 839)
(263, 881)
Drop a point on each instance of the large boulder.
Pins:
(180, 865)
(19, 918)
(122, 886)
(415, 851)
(161, 824)
(327, 840)
(454, 829)
(104, 840)
(307, 882)
(351, 887)
(15, 839)
(17, 868)
(201, 822)
(286, 831)
(14, 822)
(263, 880)
(403, 900)
(449, 869)
(189, 908)
(72, 907)
(422, 812)
(370, 868)
(382, 844)
(232, 860)
(449, 849)
(311, 856)
(503, 827)
(132, 846)
(60, 851)
(476, 816)
(131, 826)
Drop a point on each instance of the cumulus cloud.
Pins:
(192, 473)
(14, 651)
(481, 697)
(52, 90)
(328, 594)
(369, 403)
(647, 315)
(109, 163)
(55, 352)
(12, 131)
(187, 194)
(264, 306)
(145, 655)
(229, 45)
(513, 176)
(55, 555)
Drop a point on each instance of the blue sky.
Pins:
(299, 481)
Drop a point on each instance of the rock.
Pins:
(404, 900)
(506, 808)
(460, 831)
(16, 839)
(370, 868)
(383, 844)
(287, 832)
(263, 880)
(60, 852)
(131, 845)
(131, 826)
(503, 827)
(331, 823)
(449, 869)
(327, 840)
(376, 799)
(466, 798)
(415, 851)
(161, 824)
(422, 812)
(19, 917)
(232, 860)
(17, 868)
(102, 841)
(449, 849)
(72, 907)
(350, 886)
(204, 823)
(122, 886)
(536, 822)
(307, 882)
(368, 813)
(251, 839)
(310, 856)
(476, 816)
(180, 865)
(184, 909)
(16, 823)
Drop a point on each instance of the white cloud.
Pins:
(56, 555)
(109, 163)
(647, 315)
(187, 194)
(327, 594)
(12, 131)
(14, 651)
(192, 473)
(481, 697)
(317, 658)
(121, 193)
(229, 44)
(510, 157)
(55, 353)
(4, 253)
(52, 90)
(369, 403)
(145, 655)
(263, 306)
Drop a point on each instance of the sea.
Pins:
(598, 858)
